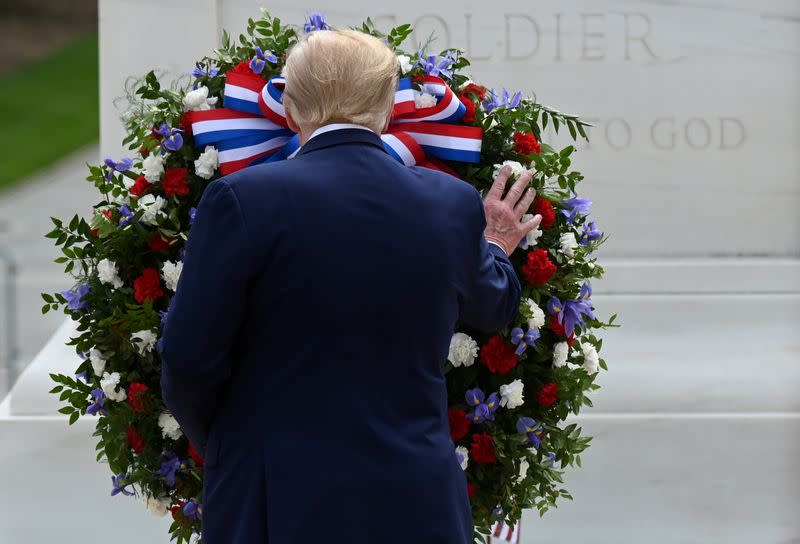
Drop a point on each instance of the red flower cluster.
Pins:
(539, 268)
(175, 183)
(458, 423)
(139, 186)
(147, 286)
(482, 449)
(135, 440)
(469, 116)
(477, 90)
(547, 395)
(498, 355)
(526, 143)
(542, 206)
(558, 328)
(243, 68)
(198, 459)
(470, 489)
(158, 244)
(136, 399)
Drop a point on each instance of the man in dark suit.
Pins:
(304, 349)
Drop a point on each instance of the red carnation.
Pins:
(526, 143)
(147, 286)
(477, 90)
(482, 449)
(558, 328)
(470, 489)
(539, 268)
(548, 395)
(174, 182)
(110, 216)
(458, 423)
(498, 355)
(243, 68)
(177, 510)
(136, 400)
(198, 459)
(158, 243)
(542, 206)
(140, 186)
(469, 116)
(135, 440)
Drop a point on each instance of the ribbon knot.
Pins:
(251, 128)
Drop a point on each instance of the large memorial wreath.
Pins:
(510, 392)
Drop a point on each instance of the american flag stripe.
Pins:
(504, 533)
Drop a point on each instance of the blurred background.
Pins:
(693, 169)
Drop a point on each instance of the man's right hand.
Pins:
(504, 226)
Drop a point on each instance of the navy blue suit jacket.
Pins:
(304, 348)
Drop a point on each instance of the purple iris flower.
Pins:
(524, 340)
(502, 99)
(172, 137)
(119, 485)
(123, 165)
(531, 430)
(258, 62)
(75, 296)
(434, 65)
(126, 216)
(316, 21)
(170, 465)
(573, 207)
(571, 313)
(200, 71)
(549, 460)
(483, 408)
(193, 510)
(82, 376)
(99, 399)
(590, 234)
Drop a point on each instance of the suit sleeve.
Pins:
(492, 290)
(206, 312)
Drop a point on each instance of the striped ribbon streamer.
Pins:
(504, 533)
(251, 128)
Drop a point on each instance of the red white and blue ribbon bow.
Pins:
(251, 128)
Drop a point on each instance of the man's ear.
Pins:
(290, 121)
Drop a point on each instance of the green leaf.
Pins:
(66, 410)
(74, 417)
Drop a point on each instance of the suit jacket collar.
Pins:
(340, 137)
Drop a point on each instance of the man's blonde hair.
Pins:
(340, 76)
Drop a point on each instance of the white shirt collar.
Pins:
(336, 126)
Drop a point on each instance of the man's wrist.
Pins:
(498, 244)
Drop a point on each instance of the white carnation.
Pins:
(157, 506)
(153, 207)
(537, 318)
(98, 361)
(516, 168)
(463, 350)
(198, 100)
(511, 395)
(591, 361)
(560, 353)
(171, 274)
(153, 167)
(107, 273)
(143, 341)
(568, 244)
(405, 63)
(169, 426)
(109, 384)
(532, 238)
(424, 100)
(207, 163)
(462, 454)
(523, 470)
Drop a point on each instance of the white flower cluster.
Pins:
(153, 207)
(169, 426)
(463, 350)
(591, 361)
(107, 273)
(153, 167)
(171, 272)
(207, 163)
(144, 341)
(405, 63)
(157, 506)
(517, 168)
(511, 395)
(109, 383)
(198, 100)
(532, 238)
(560, 354)
(424, 100)
(568, 244)
(537, 318)
(462, 454)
